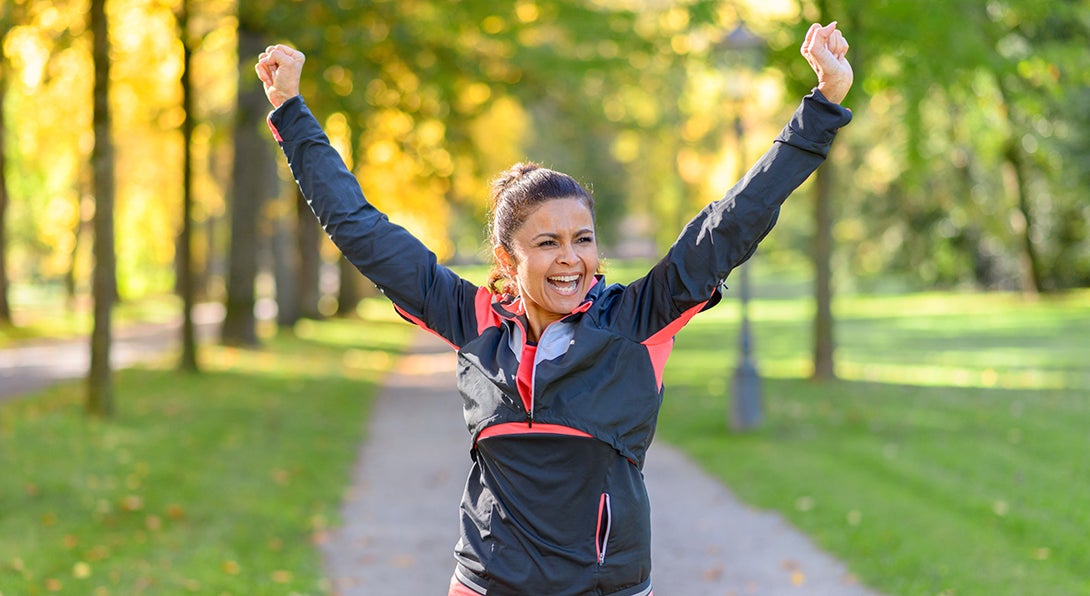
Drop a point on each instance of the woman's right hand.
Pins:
(280, 68)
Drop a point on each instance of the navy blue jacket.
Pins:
(555, 500)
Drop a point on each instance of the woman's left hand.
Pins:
(825, 49)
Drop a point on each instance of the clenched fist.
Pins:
(825, 49)
(280, 67)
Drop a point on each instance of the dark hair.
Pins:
(516, 193)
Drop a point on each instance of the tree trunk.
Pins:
(351, 288)
(253, 174)
(309, 234)
(1030, 265)
(5, 306)
(286, 269)
(100, 400)
(186, 288)
(824, 345)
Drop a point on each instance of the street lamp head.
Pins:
(740, 48)
(741, 38)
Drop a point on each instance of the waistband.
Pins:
(476, 584)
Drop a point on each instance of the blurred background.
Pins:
(966, 165)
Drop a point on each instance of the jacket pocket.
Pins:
(605, 520)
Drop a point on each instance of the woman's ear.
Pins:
(504, 259)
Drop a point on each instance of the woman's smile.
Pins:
(565, 284)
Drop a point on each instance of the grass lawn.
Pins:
(218, 483)
(952, 456)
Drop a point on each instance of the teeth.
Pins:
(565, 278)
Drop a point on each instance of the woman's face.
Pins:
(555, 258)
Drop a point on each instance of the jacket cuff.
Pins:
(815, 124)
(281, 118)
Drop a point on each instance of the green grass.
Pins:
(951, 457)
(217, 483)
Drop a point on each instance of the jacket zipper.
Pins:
(530, 356)
(605, 521)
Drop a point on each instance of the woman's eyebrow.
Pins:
(554, 235)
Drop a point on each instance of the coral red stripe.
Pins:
(521, 428)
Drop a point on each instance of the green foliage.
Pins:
(211, 483)
(962, 149)
(942, 461)
(432, 99)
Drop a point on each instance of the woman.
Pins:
(560, 373)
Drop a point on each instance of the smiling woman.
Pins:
(560, 373)
(543, 243)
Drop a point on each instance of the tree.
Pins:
(7, 19)
(309, 236)
(100, 399)
(186, 287)
(5, 306)
(253, 179)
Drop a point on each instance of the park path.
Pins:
(400, 516)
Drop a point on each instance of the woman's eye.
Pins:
(547, 243)
(585, 239)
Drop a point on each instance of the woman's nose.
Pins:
(567, 254)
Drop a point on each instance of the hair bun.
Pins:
(511, 175)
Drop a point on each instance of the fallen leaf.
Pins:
(231, 567)
(53, 585)
(175, 511)
(81, 570)
(281, 576)
(855, 517)
(132, 503)
(70, 541)
(798, 578)
(153, 523)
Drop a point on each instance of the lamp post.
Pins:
(742, 51)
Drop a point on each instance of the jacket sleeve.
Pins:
(423, 291)
(726, 233)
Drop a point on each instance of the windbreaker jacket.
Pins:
(555, 501)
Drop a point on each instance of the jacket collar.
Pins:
(510, 307)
